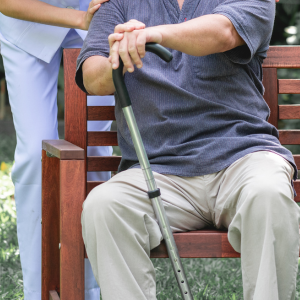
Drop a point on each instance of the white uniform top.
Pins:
(39, 40)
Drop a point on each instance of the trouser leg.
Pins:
(120, 229)
(256, 204)
(32, 88)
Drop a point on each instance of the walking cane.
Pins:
(153, 191)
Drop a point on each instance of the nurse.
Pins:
(32, 54)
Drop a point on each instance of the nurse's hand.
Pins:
(88, 16)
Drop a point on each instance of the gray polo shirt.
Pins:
(197, 115)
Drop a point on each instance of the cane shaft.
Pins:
(157, 204)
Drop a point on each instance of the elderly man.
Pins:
(217, 160)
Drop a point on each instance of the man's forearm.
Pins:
(40, 12)
(97, 76)
(201, 36)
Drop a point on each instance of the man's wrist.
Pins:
(162, 31)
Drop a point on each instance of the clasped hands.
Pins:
(128, 42)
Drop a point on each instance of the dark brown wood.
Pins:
(297, 161)
(195, 244)
(297, 189)
(283, 57)
(103, 163)
(72, 195)
(63, 149)
(289, 137)
(271, 95)
(289, 112)
(104, 138)
(288, 86)
(75, 103)
(101, 113)
(50, 225)
(92, 184)
(53, 295)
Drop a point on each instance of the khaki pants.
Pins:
(253, 198)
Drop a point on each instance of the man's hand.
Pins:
(88, 15)
(129, 26)
(115, 38)
(130, 46)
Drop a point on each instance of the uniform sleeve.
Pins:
(103, 24)
(254, 21)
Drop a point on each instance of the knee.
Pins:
(101, 203)
(268, 199)
(268, 191)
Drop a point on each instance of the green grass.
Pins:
(209, 279)
(7, 148)
(11, 283)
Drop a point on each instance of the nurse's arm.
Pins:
(40, 12)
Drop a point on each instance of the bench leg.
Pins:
(72, 195)
(50, 225)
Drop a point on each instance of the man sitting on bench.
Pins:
(203, 120)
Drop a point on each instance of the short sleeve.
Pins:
(109, 15)
(254, 21)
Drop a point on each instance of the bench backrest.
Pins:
(77, 113)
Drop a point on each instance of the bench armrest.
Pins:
(63, 150)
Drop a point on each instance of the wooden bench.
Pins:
(65, 186)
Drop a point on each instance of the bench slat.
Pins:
(297, 188)
(288, 112)
(195, 244)
(288, 86)
(102, 138)
(92, 184)
(297, 161)
(101, 113)
(289, 137)
(283, 57)
(103, 163)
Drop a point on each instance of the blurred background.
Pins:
(210, 278)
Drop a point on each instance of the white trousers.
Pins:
(253, 198)
(32, 88)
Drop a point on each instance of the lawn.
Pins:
(11, 283)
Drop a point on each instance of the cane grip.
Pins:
(118, 77)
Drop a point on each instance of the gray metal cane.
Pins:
(153, 191)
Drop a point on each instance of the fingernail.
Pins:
(114, 66)
(130, 70)
(139, 66)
